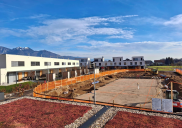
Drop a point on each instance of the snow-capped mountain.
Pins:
(20, 48)
(30, 52)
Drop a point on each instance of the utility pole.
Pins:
(47, 75)
(94, 86)
(172, 90)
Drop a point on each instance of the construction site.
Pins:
(123, 98)
(134, 88)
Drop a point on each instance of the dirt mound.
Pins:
(100, 79)
(147, 74)
(52, 93)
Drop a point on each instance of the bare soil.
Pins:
(80, 88)
(74, 90)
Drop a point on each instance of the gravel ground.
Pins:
(100, 122)
(77, 122)
(110, 113)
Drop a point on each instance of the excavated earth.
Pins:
(80, 88)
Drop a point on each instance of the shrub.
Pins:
(14, 87)
(20, 90)
(3, 90)
(34, 85)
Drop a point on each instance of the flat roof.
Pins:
(137, 56)
(36, 56)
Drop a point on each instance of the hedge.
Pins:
(9, 88)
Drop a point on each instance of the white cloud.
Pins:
(12, 32)
(176, 20)
(38, 16)
(59, 31)
(149, 49)
(146, 46)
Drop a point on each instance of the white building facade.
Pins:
(84, 62)
(15, 67)
(137, 62)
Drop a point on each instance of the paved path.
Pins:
(26, 93)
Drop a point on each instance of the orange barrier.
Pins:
(51, 85)
(179, 71)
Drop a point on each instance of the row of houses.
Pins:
(136, 62)
(15, 67)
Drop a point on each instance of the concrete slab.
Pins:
(126, 92)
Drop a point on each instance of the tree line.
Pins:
(169, 61)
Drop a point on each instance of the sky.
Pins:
(94, 28)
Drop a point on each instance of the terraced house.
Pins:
(15, 67)
(137, 62)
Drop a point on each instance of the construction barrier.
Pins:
(99, 103)
(179, 71)
(55, 84)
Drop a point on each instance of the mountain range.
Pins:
(30, 52)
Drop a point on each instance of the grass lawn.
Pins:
(29, 113)
(132, 120)
(9, 88)
(165, 68)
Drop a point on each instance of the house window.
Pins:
(73, 63)
(47, 63)
(119, 63)
(120, 59)
(130, 63)
(82, 60)
(105, 64)
(99, 64)
(141, 59)
(96, 60)
(140, 63)
(17, 63)
(69, 63)
(113, 60)
(80, 64)
(63, 63)
(35, 63)
(124, 63)
(56, 63)
(110, 63)
(135, 63)
(115, 63)
(135, 59)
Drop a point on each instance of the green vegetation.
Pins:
(165, 68)
(9, 89)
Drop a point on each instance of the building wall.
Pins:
(118, 61)
(3, 76)
(27, 63)
(99, 59)
(2, 61)
(19, 75)
(122, 63)
(84, 62)
(140, 58)
(26, 74)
